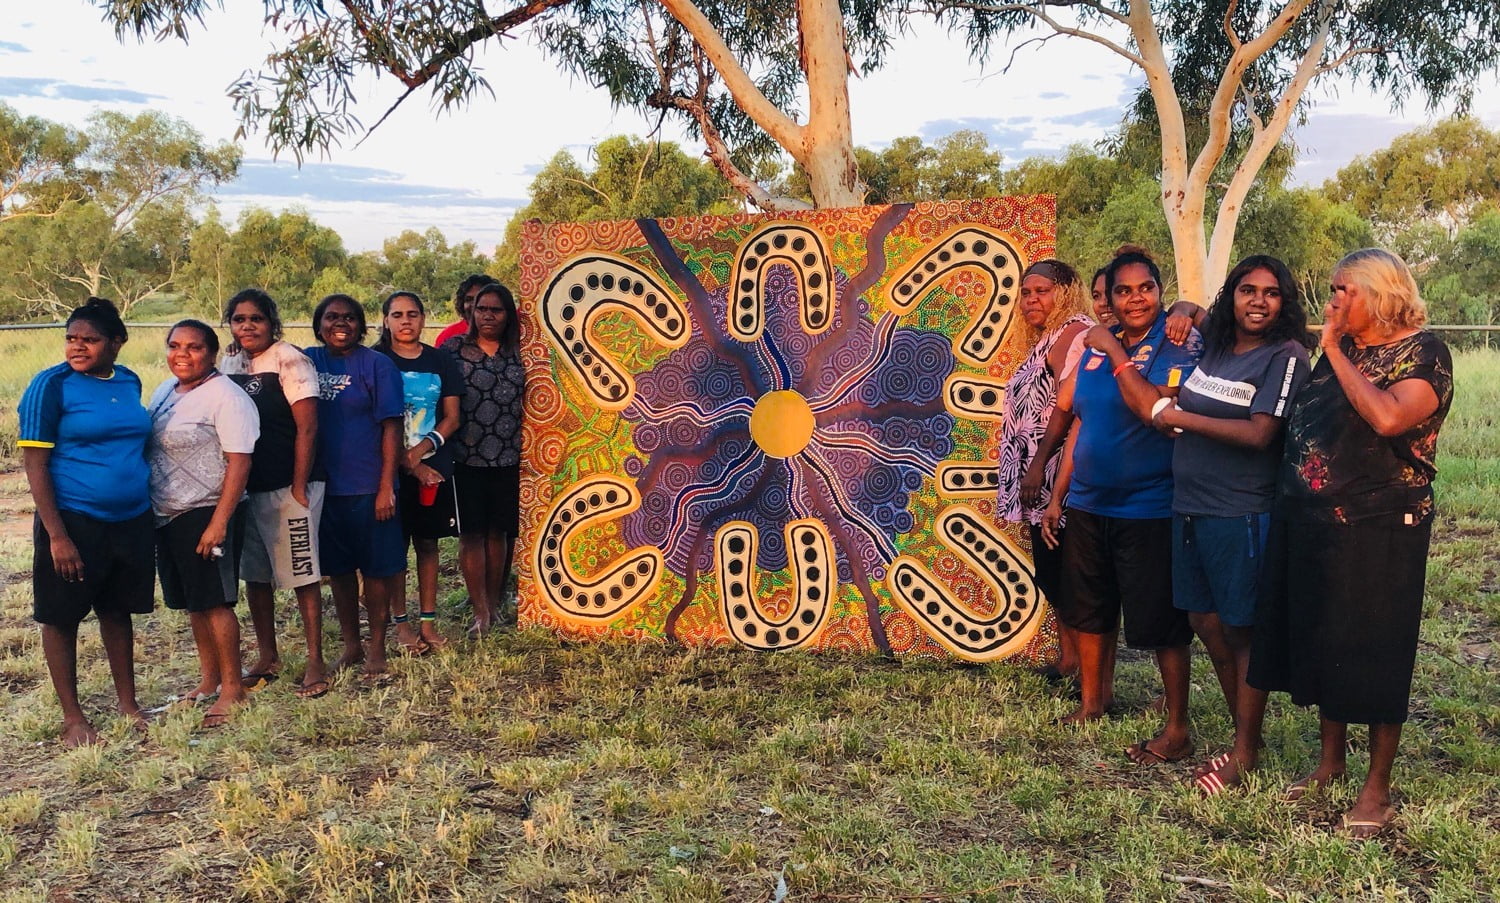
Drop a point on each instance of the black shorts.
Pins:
(1046, 565)
(117, 574)
(190, 582)
(489, 499)
(419, 521)
(1113, 565)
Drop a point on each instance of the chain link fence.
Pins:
(28, 349)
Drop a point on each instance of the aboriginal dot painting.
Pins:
(779, 432)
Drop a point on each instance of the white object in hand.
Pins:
(1161, 405)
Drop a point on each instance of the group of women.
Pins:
(1189, 470)
(278, 467)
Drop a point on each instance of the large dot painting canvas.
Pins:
(779, 431)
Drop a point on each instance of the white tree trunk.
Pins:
(824, 146)
(828, 138)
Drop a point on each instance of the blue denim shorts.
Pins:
(351, 539)
(1216, 563)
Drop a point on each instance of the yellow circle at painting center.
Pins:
(782, 423)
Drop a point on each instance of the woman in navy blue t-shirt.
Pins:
(1117, 481)
(360, 409)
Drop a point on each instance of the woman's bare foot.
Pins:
(432, 636)
(1081, 716)
(1315, 781)
(375, 663)
(353, 655)
(200, 694)
(78, 733)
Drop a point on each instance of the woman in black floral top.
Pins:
(1347, 557)
(487, 448)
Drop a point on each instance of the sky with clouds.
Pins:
(468, 172)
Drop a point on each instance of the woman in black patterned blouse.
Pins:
(487, 449)
(1341, 594)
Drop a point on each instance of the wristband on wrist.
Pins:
(1121, 369)
(436, 438)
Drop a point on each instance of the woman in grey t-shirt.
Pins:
(1229, 420)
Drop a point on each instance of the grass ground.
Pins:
(521, 768)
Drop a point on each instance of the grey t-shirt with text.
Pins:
(1217, 479)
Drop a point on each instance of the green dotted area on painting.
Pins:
(941, 311)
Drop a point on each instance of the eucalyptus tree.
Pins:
(1226, 78)
(732, 71)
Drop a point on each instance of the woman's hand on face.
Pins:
(385, 504)
(1335, 326)
(1052, 525)
(212, 538)
(1101, 339)
(1031, 483)
(66, 561)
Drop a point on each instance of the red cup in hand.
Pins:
(427, 494)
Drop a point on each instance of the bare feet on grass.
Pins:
(78, 733)
(1081, 715)
(353, 655)
(432, 636)
(375, 661)
(200, 693)
(1319, 779)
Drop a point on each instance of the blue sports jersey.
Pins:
(97, 430)
(1121, 466)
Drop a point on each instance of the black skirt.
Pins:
(1339, 612)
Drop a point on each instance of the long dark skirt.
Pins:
(1339, 613)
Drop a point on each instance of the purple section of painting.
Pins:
(692, 422)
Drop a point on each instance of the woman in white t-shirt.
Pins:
(203, 429)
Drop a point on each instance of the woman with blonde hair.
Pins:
(1341, 598)
(1053, 307)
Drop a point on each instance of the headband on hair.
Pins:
(1048, 269)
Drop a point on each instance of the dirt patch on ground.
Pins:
(15, 513)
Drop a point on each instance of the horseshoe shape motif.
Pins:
(955, 625)
(624, 582)
(814, 569)
(796, 246)
(590, 286)
(967, 246)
